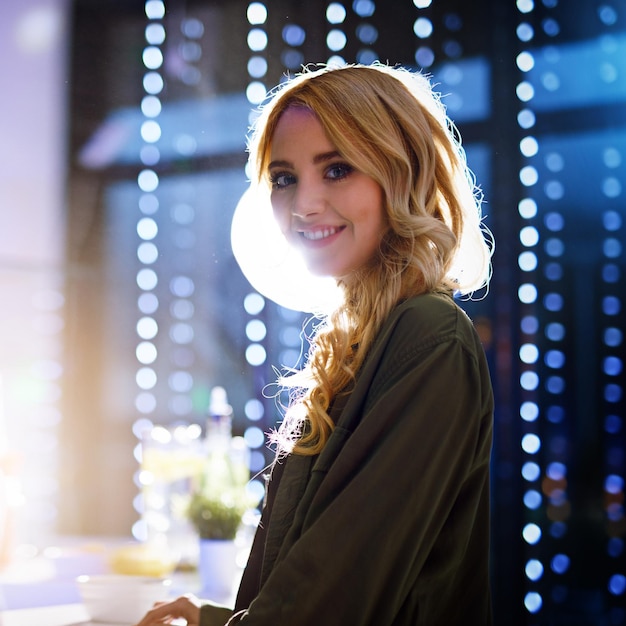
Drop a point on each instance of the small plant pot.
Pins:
(218, 569)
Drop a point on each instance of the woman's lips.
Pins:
(321, 235)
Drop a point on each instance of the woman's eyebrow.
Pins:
(318, 158)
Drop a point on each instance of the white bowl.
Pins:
(121, 599)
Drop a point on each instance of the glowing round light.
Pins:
(525, 91)
(149, 155)
(364, 8)
(146, 378)
(554, 359)
(529, 324)
(147, 279)
(254, 303)
(528, 175)
(529, 411)
(528, 353)
(147, 180)
(611, 187)
(147, 228)
(529, 381)
(527, 261)
(422, 4)
(180, 381)
(531, 443)
(560, 563)
(614, 484)
(525, 32)
(145, 403)
(257, 39)
(529, 146)
(192, 28)
(613, 337)
(424, 56)
(150, 131)
(256, 13)
(532, 499)
(152, 57)
(147, 328)
(148, 203)
(611, 157)
(367, 33)
(147, 303)
(293, 35)
(182, 309)
(551, 27)
(555, 162)
(257, 67)
(256, 92)
(254, 437)
(617, 584)
(527, 293)
(336, 40)
(531, 471)
(525, 61)
(256, 354)
(531, 533)
(181, 333)
(529, 236)
(533, 602)
(155, 34)
(182, 286)
(155, 9)
(423, 27)
(146, 352)
(335, 13)
(527, 209)
(534, 570)
(254, 410)
(526, 119)
(611, 305)
(153, 83)
(256, 330)
(553, 302)
(611, 220)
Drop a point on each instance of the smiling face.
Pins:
(332, 213)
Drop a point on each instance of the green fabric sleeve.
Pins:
(214, 615)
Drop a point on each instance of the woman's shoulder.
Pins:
(426, 320)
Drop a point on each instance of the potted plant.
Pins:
(216, 518)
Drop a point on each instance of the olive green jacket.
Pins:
(389, 525)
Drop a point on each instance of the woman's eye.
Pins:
(339, 170)
(282, 179)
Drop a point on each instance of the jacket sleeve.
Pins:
(213, 615)
(397, 504)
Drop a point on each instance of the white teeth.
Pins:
(319, 234)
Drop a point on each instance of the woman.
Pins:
(377, 509)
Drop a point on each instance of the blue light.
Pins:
(534, 570)
(617, 584)
(533, 602)
(610, 273)
(555, 414)
(553, 302)
(532, 499)
(560, 563)
(612, 366)
(555, 331)
(554, 359)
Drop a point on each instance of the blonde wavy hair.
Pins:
(388, 123)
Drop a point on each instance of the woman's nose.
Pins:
(308, 201)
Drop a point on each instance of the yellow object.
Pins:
(143, 560)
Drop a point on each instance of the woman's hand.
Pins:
(186, 607)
